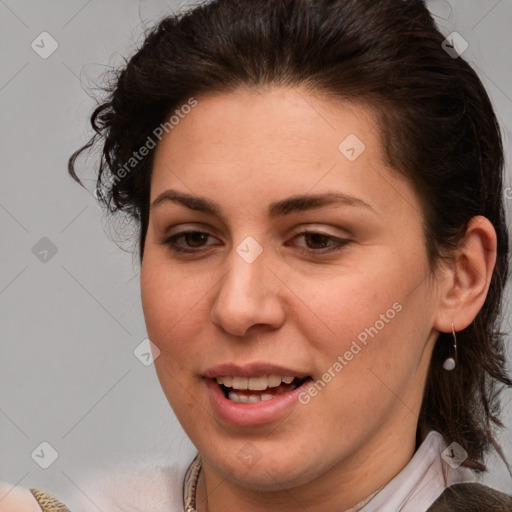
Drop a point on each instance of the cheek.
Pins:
(164, 293)
(153, 304)
(378, 326)
(343, 308)
(171, 315)
(174, 310)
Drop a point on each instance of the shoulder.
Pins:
(18, 499)
(129, 486)
(133, 487)
(468, 497)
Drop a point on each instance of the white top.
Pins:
(159, 488)
(421, 481)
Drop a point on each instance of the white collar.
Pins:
(421, 481)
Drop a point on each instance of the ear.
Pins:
(463, 288)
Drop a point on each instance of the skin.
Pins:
(293, 306)
(16, 499)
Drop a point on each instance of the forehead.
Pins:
(296, 116)
(279, 139)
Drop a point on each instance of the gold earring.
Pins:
(450, 363)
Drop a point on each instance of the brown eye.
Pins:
(193, 240)
(320, 243)
(317, 240)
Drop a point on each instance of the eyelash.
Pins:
(340, 243)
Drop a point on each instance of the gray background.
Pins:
(69, 325)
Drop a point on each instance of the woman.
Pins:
(323, 249)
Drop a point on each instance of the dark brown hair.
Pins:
(437, 125)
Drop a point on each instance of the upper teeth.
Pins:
(254, 383)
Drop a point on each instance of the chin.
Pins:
(268, 470)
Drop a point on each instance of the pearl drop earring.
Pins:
(450, 363)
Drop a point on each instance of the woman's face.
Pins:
(345, 312)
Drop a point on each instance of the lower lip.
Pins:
(252, 414)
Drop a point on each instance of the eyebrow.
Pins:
(297, 203)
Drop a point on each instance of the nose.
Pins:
(248, 298)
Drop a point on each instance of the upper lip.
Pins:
(252, 370)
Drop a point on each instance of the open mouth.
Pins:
(250, 390)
